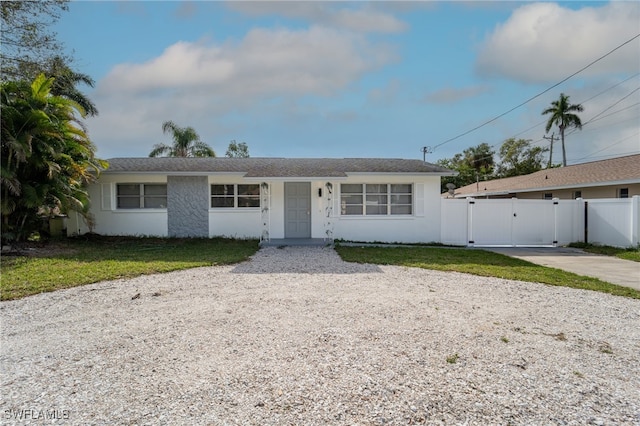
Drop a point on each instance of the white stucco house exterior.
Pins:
(359, 199)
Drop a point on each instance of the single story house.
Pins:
(613, 178)
(357, 199)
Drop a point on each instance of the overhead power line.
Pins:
(538, 95)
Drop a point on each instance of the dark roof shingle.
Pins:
(273, 167)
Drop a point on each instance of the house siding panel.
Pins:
(187, 206)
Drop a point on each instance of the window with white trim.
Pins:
(376, 199)
(623, 193)
(141, 196)
(235, 195)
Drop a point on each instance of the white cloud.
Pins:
(200, 84)
(543, 42)
(265, 62)
(365, 18)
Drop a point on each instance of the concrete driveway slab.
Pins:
(607, 268)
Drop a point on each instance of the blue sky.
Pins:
(356, 79)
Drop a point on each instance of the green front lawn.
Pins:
(478, 262)
(72, 262)
(623, 253)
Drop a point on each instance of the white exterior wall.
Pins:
(112, 221)
(422, 226)
(233, 222)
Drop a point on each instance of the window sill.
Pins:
(233, 209)
(377, 217)
(162, 210)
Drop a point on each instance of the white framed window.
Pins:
(376, 199)
(623, 193)
(141, 196)
(235, 195)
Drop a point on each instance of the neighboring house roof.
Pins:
(255, 167)
(621, 170)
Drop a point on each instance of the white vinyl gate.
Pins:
(509, 222)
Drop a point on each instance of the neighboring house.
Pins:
(613, 178)
(358, 199)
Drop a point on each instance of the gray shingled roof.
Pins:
(621, 169)
(273, 167)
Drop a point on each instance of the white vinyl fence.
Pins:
(516, 222)
(613, 222)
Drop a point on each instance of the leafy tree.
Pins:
(25, 35)
(563, 115)
(237, 150)
(480, 158)
(46, 157)
(473, 164)
(186, 143)
(518, 157)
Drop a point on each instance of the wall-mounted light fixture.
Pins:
(319, 192)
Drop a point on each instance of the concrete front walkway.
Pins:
(607, 268)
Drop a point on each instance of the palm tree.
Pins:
(66, 81)
(186, 143)
(562, 115)
(47, 157)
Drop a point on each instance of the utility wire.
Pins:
(582, 103)
(605, 110)
(538, 95)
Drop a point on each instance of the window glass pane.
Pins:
(129, 189)
(155, 190)
(376, 199)
(248, 202)
(624, 192)
(401, 199)
(222, 190)
(351, 199)
(352, 210)
(376, 189)
(401, 188)
(374, 210)
(350, 188)
(222, 202)
(155, 202)
(128, 202)
(249, 190)
(400, 209)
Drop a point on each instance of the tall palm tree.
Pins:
(66, 81)
(46, 156)
(186, 143)
(562, 115)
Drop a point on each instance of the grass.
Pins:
(73, 262)
(452, 359)
(479, 262)
(623, 253)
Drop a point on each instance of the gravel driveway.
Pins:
(296, 336)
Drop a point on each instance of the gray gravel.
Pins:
(296, 336)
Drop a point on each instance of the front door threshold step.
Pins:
(297, 242)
